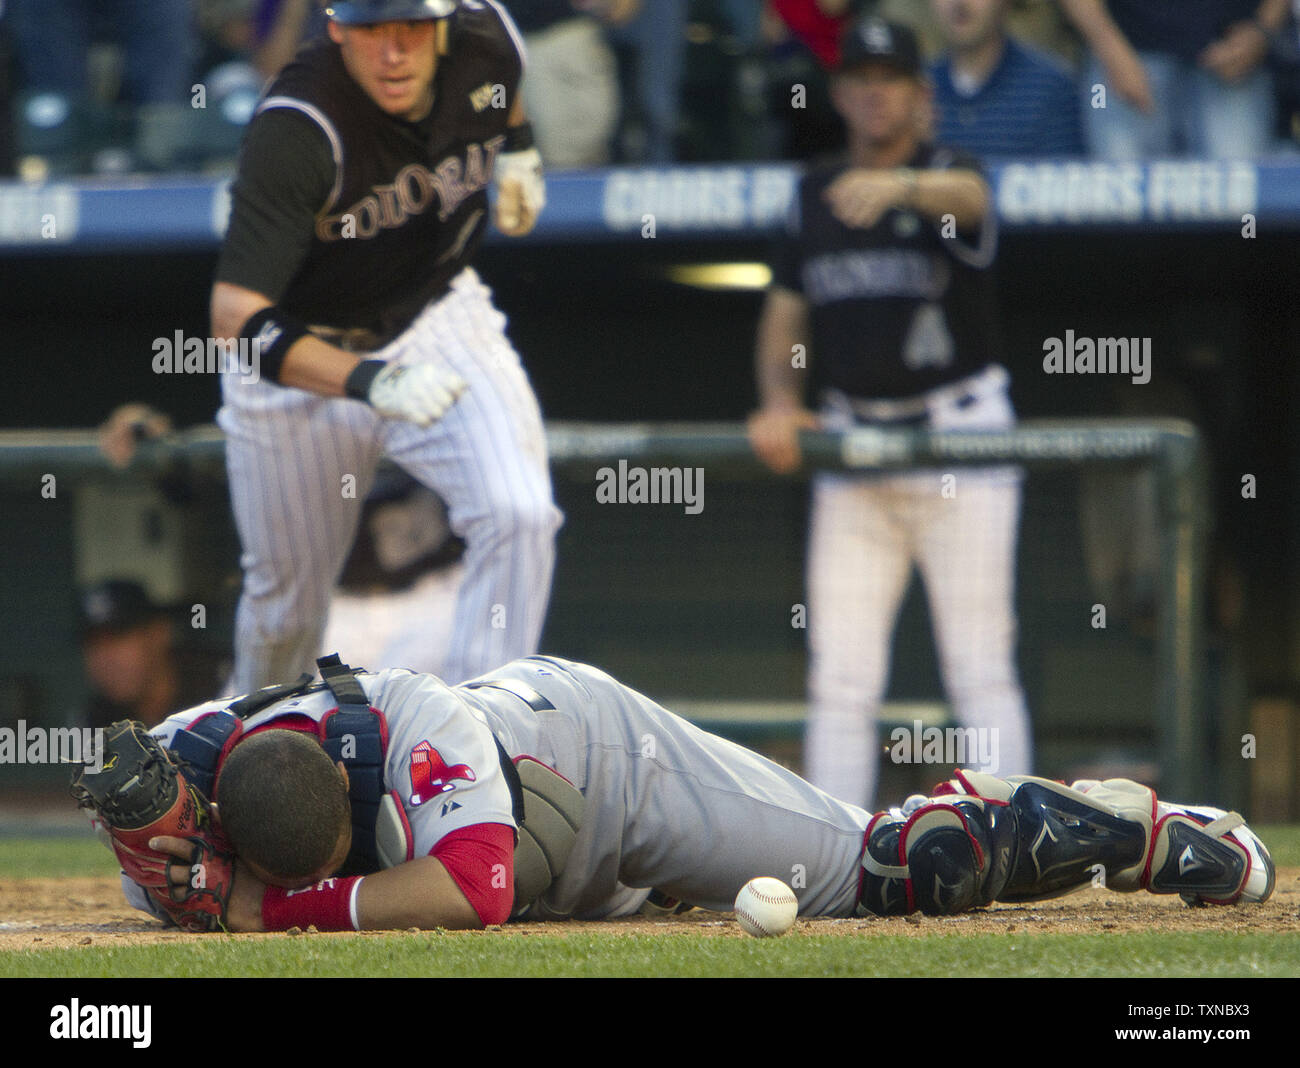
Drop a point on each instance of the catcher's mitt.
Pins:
(140, 793)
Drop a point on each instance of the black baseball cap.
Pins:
(116, 605)
(361, 12)
(877, 40)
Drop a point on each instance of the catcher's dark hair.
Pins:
(283, 803)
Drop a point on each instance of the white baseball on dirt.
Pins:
(766, 907)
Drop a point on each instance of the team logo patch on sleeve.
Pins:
(431, 775)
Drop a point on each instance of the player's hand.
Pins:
(243, 910)
(859, 197)
(178, 873)
(1238, 52)
(420, 393)
(126, 427)
(774, 436)
(520, 191)
(1129, 78)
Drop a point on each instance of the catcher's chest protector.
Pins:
(356, 734)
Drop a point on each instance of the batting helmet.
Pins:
(360, 12)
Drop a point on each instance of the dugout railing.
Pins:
(1172, 449)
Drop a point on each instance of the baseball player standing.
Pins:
(360, 201)
(396, 598)
(883, 276)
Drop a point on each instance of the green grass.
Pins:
(54, 858)
(1283, 841)
(674, 953)
(1167, 955)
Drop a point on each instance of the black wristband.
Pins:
(362, 375)
(518, 137)
(271, 333)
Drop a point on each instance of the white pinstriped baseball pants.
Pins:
(866, 533)
(300, 466)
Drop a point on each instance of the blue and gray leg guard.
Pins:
(981, 839)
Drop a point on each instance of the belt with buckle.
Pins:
(911, 411)
(915, 411)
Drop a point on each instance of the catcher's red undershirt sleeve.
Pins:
(480, 859)
(330, 905)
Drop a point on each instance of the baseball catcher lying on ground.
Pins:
(547, 789)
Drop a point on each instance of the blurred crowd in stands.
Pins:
(113, 87)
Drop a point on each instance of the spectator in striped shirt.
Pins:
(994, 95)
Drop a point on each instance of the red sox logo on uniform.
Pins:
(431, 775)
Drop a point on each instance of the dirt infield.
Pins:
(53, 913)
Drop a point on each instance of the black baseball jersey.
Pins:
(897, 309)
(345, 216)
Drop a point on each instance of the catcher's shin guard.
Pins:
(1051, 839)
(1067, 839)
(1205, 854)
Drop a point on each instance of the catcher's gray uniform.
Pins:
(672, 808)
(668, 806)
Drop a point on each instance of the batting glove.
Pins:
(521, 191)
(420, 393)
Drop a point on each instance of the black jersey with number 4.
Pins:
(345, 216)
(896, 309)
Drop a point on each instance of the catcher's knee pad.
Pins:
(939, 854)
